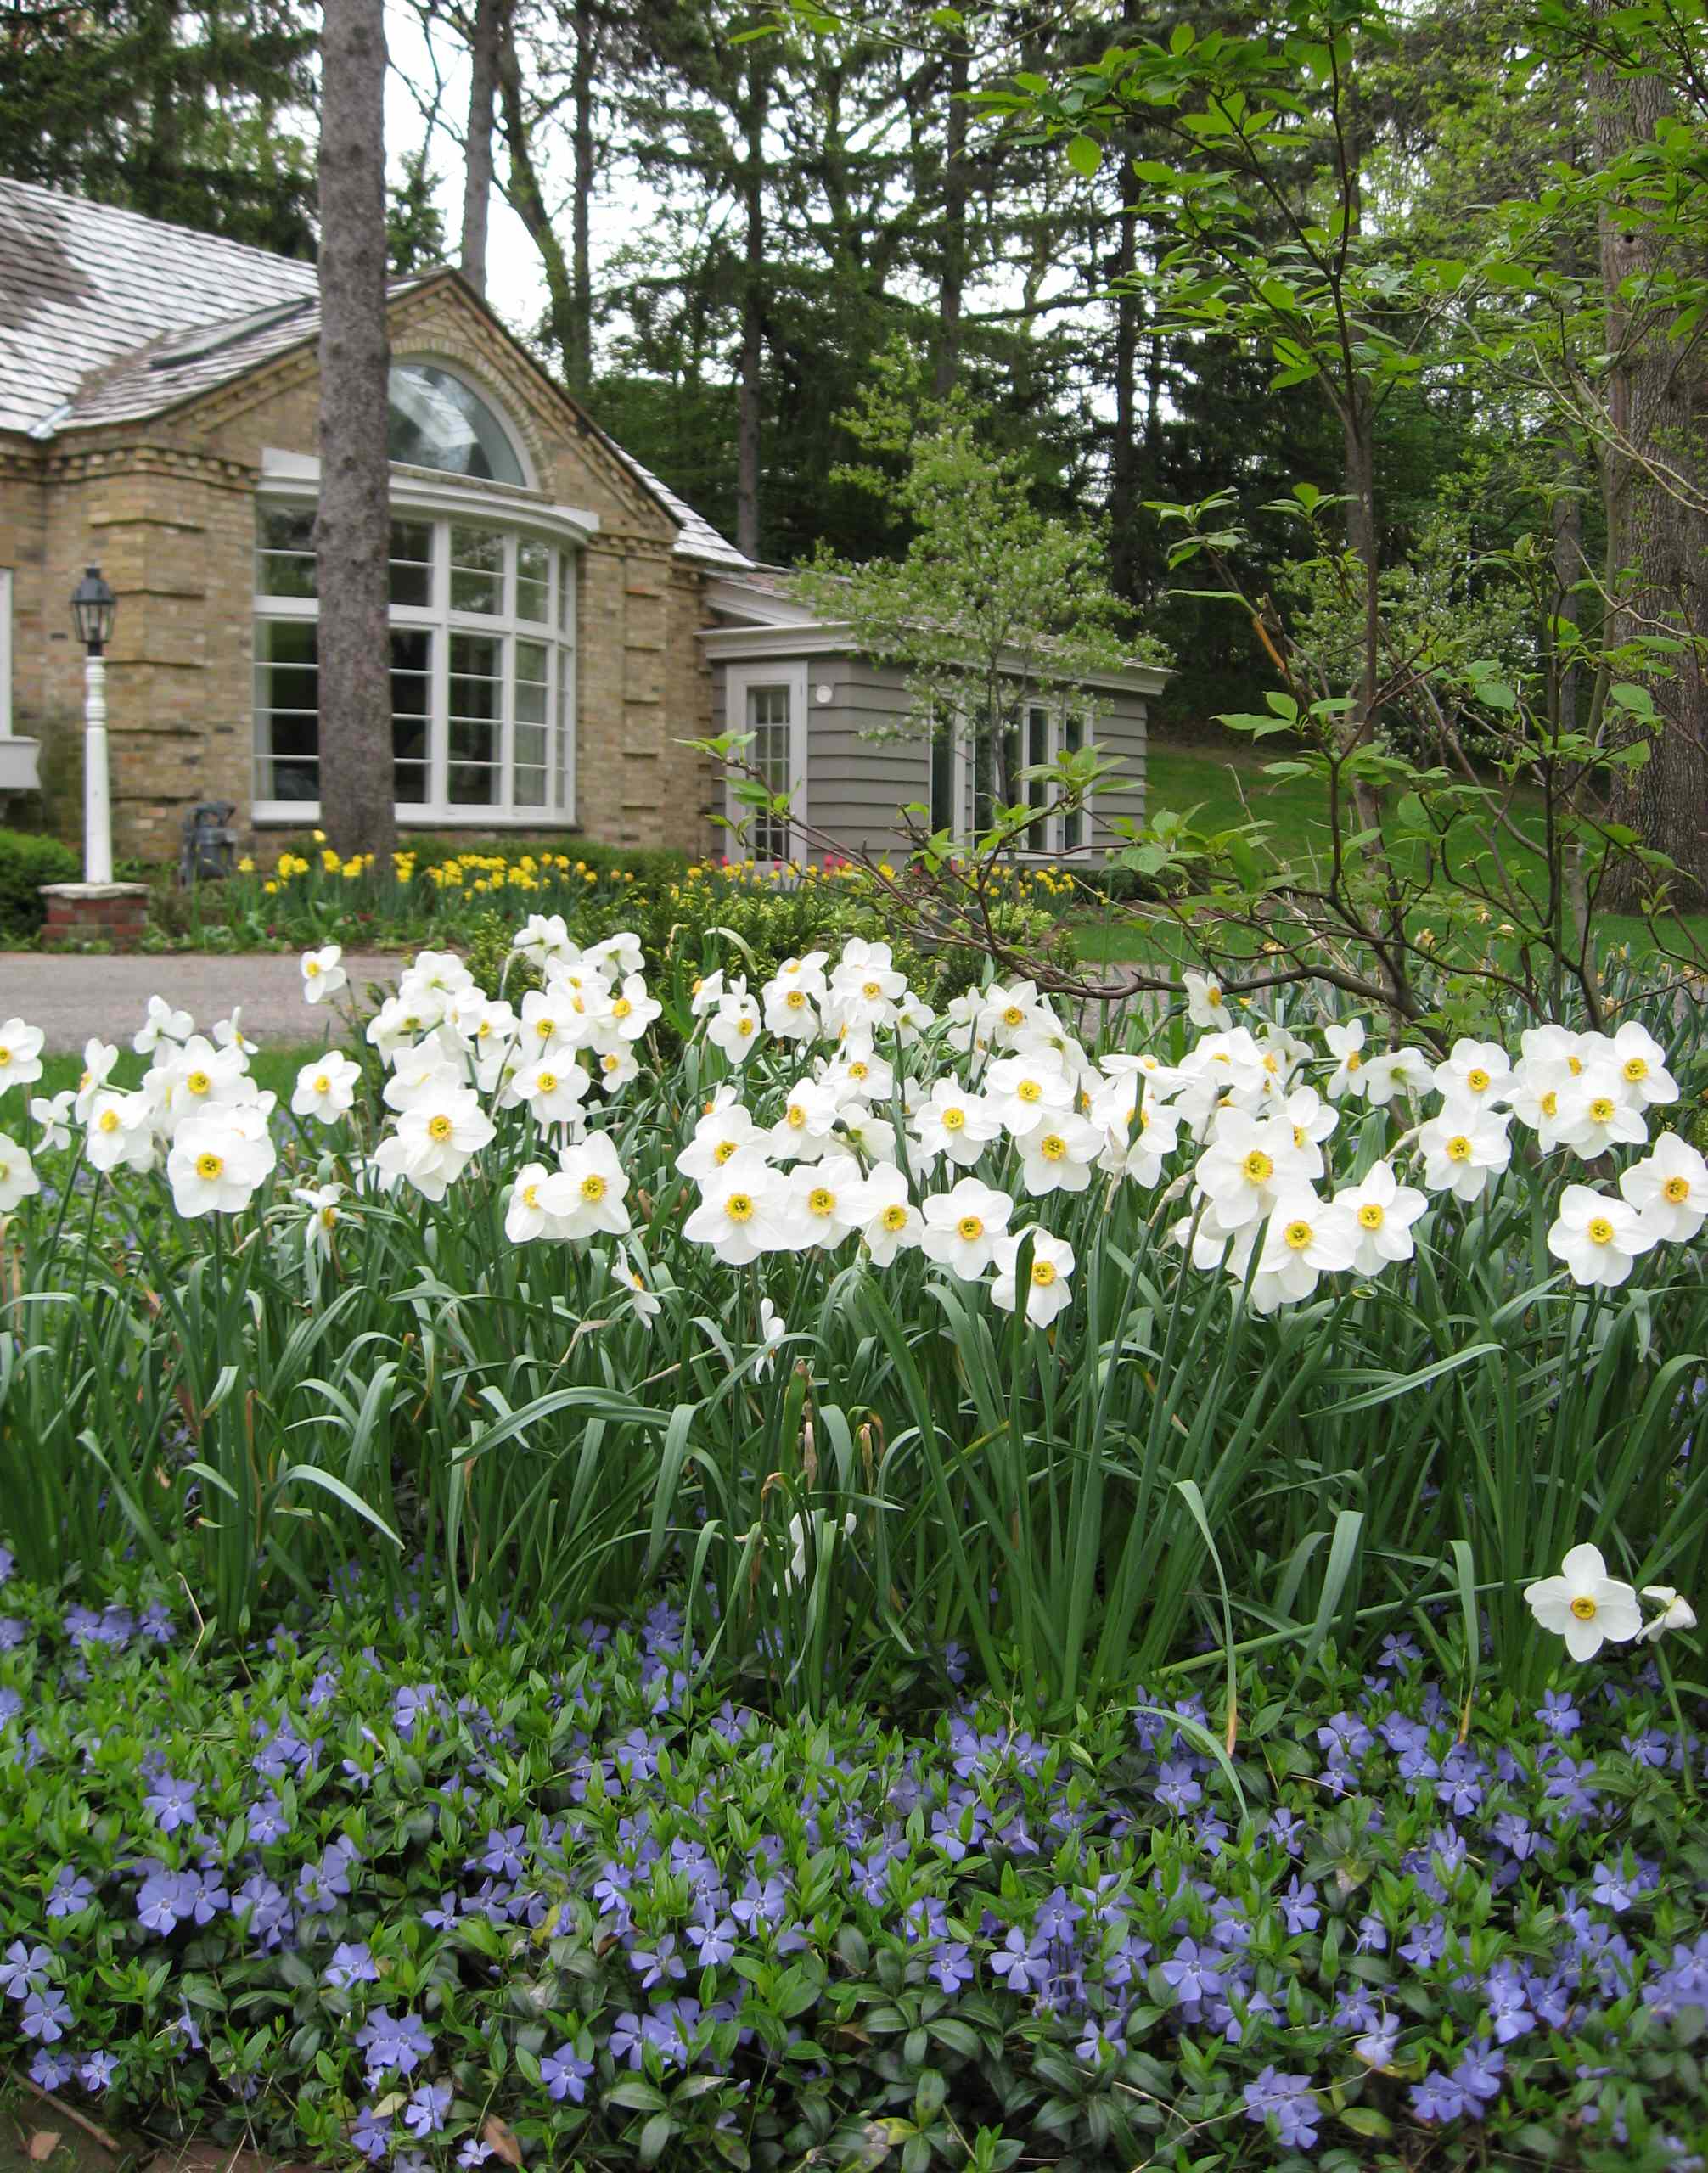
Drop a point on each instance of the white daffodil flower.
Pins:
(1477, 1073)
(1383, 1211)
(1024, 1091)
(962, 1227)
(541, 938)
(326, 1087)
(1047, 1293)
(1463, 1149)
(1584, 1605)
(20, 1054)
(740, 1211)
(1393, 1073)
(1669, 1188)
(1058, 1156)
(553, 1088)
(51, 1115)
(1345, 1043)
(322, 974)
(528, 1217)
(434, 1140)
(1676, 1613)
(1205, 1005)
(735, 1027)
(773, 1328)
(1248, 1161)
(162, 1023)
(617, 1068)
(120, 1132)
(1599, 1239)
(723, 1132)
(890, 1223)
(635, 1289)
(322, 1219)
(588, 1192)
(217, 1160)
(18, 1177)
(823, 1202)
(629, 1012)
(98, 1058)
(1595, 1114)
(1304, 1238)
(808, 1127)
(954, 1122)
(1641, 1065)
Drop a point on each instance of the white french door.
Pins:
(770, 705)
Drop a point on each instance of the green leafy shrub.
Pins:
(748, 923)
(26, 862)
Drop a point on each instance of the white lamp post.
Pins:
(93, 609)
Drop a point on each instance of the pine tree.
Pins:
(352, 526)
(182, 113)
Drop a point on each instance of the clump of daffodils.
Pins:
(844, 1120)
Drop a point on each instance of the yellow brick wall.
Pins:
(167, 508)
(23, 552)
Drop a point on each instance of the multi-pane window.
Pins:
(483, 679)
(975, 771)
(772, 755)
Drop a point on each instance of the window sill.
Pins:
(305, 815)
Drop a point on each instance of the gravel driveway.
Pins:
(70, 997)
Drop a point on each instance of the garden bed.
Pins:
(714, 1572)
(358, 1893)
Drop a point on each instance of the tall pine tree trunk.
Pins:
(526, 197)
(1657, 400)
(752, 317)
(477, 167)
(1124, 453)
(351, 533)
(952, 277)
(578, 365)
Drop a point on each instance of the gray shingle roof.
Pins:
(108, 316)
(697, 538)
(82, 284)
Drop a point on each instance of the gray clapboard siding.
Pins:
(860, 773)
(866, 757)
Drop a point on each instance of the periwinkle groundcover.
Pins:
(358, 1897)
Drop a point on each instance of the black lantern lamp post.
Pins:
(93, 609)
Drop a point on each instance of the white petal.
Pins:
(1583, 1567)
(1583, 1639)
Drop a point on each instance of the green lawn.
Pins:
(1227, 786)
(274, 1068)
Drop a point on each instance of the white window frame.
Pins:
(740, 682)
(424, 357)
(5, 652)
(1058, 710)
(556, 633)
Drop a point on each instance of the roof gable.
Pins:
(107, 317)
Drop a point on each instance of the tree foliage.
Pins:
(993, 604)
(181, 113)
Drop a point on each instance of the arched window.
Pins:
(437, 421)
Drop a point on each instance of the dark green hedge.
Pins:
(25, 863)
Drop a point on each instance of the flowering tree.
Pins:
(995, 604)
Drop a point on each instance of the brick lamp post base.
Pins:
(116, 914)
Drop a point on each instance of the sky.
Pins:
(514, 287)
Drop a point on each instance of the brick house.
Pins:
(158, 416)
(561, 622)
